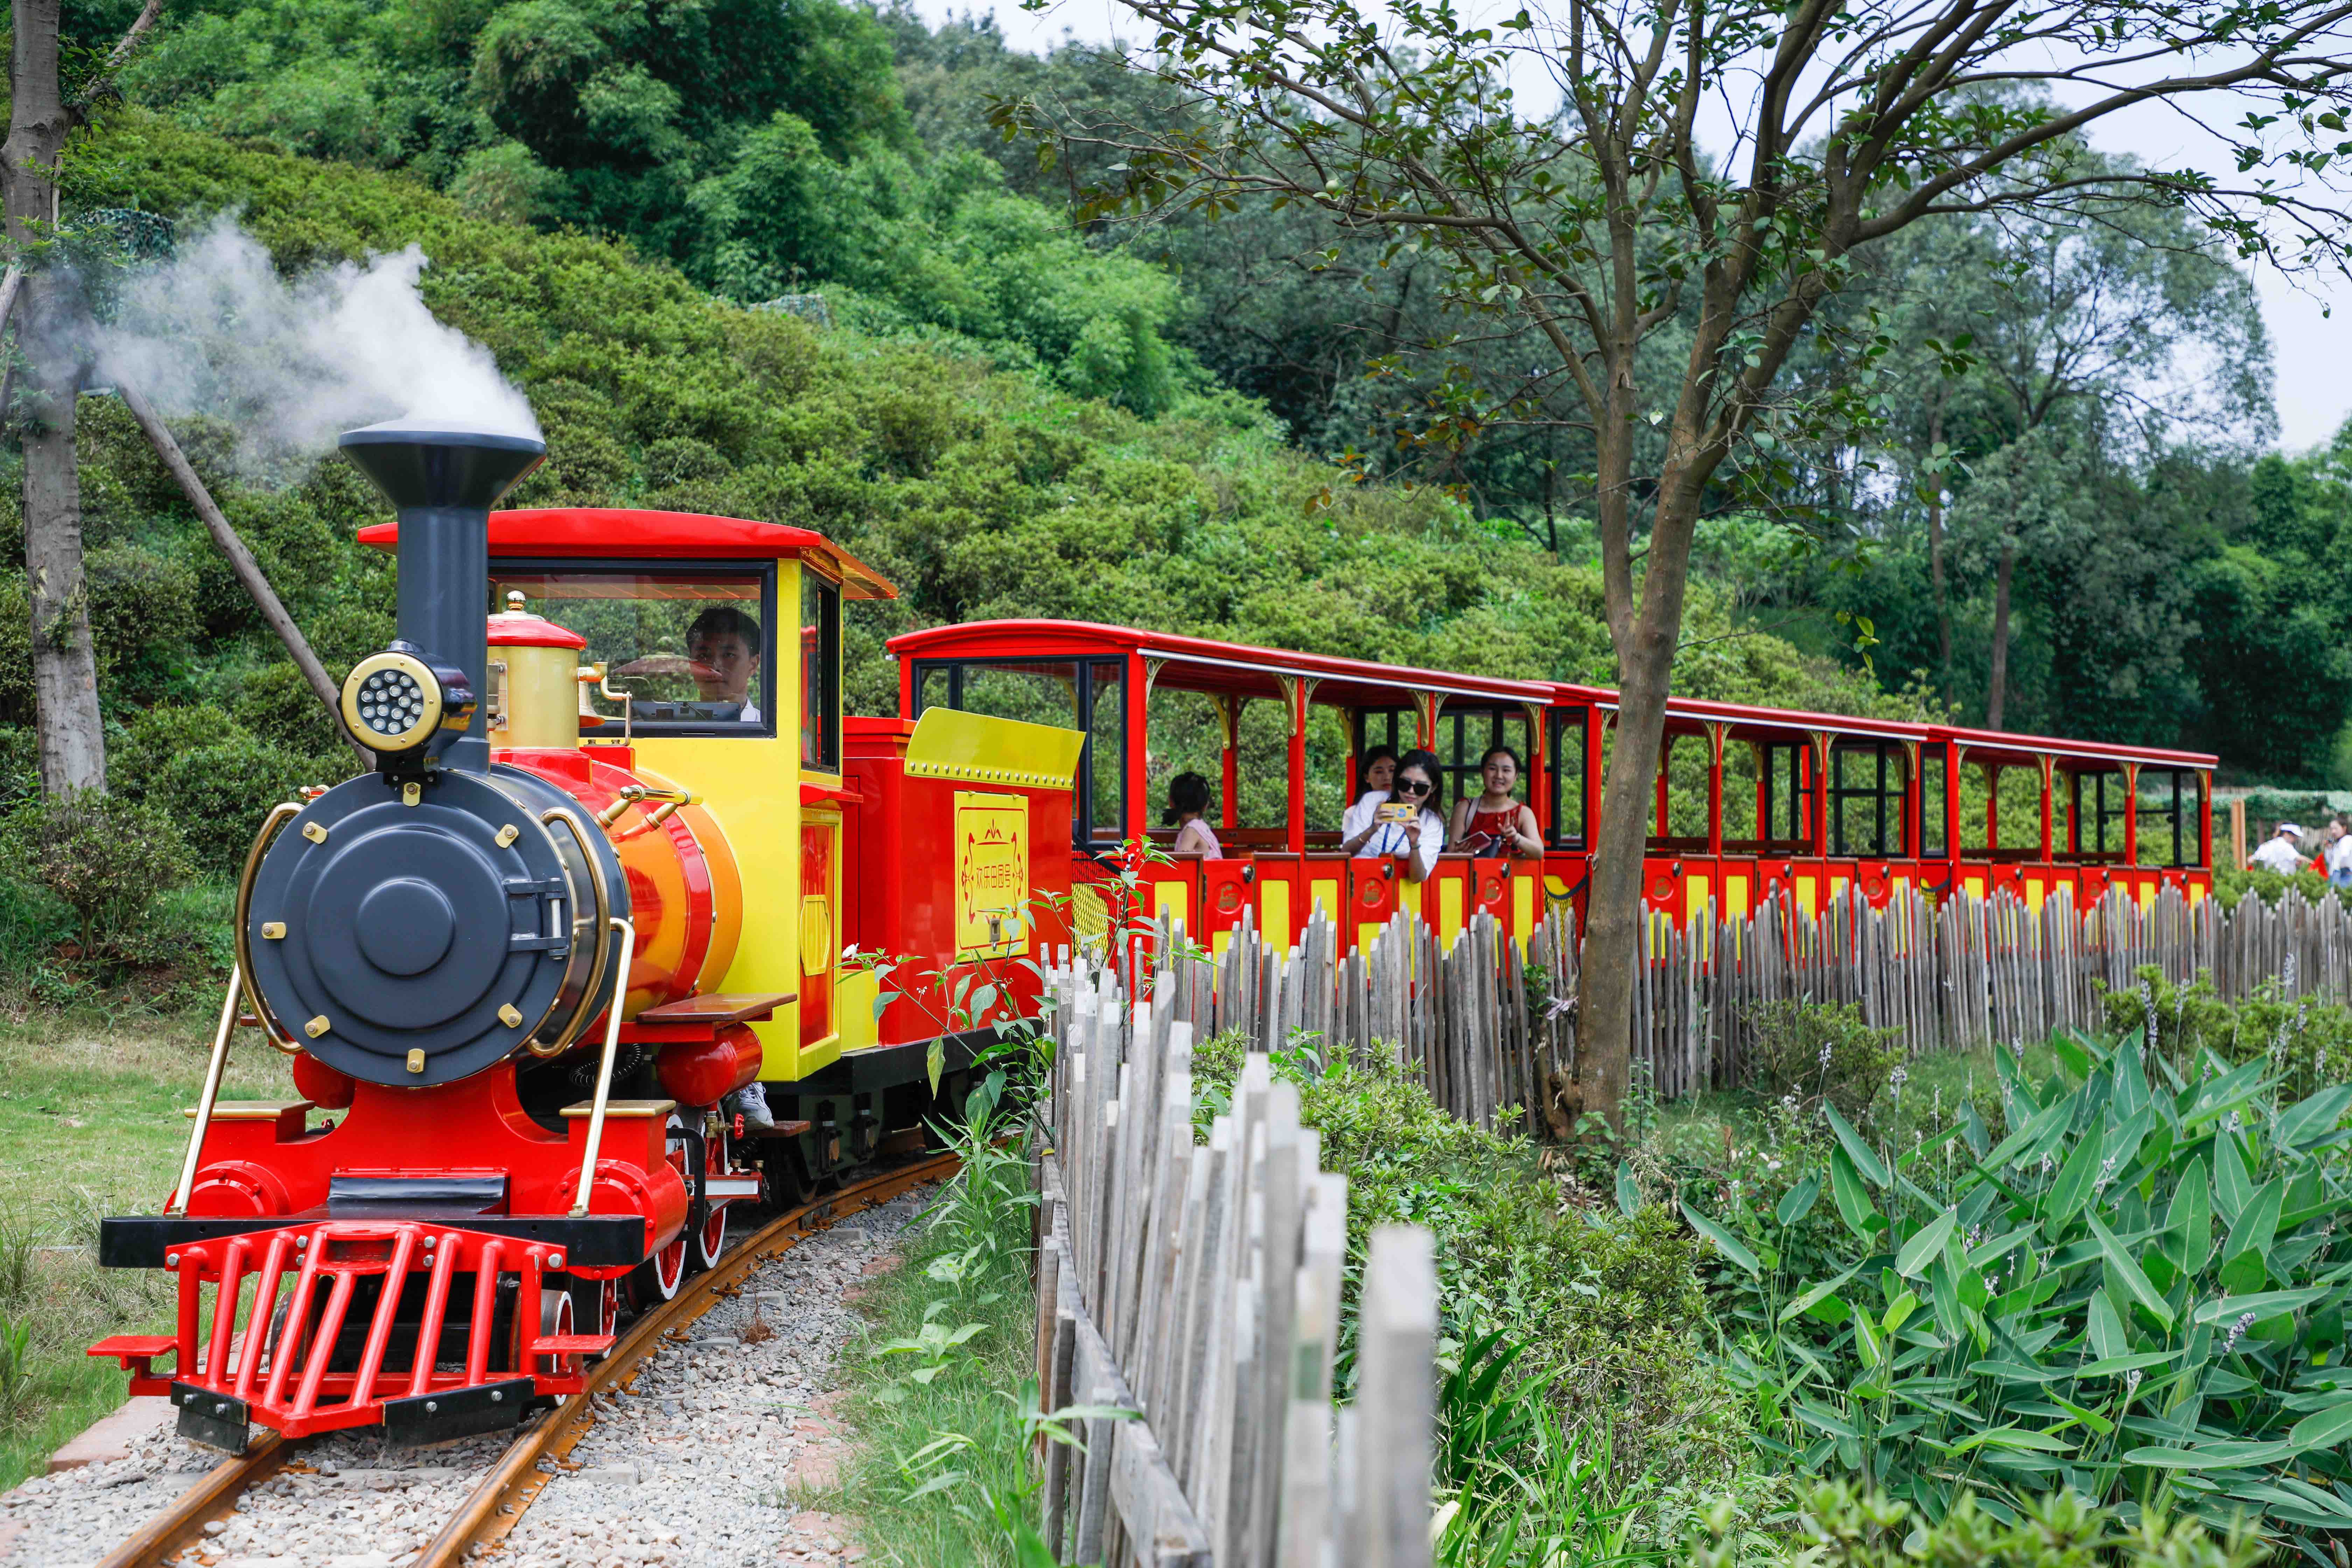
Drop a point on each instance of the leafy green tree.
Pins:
(1590, 227)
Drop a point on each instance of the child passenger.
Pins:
(1188, 804)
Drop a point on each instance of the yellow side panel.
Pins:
(1902, 880)
(1172, 900)
(1700, 900)
(1325, 897)
(2033, 893)
(852, 1001)
(2195, 895)
(752, 789)
(1409, 897)
(1808, 893)
(1449, 910)
(1366, 934)
(1735, 895)
(1219, 943)
(2147, 894)
(1975, 884)
(1523, 907)
(1838, 885)
(1274, 913)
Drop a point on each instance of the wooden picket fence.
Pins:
(1487, 1021)
(1196, 1287)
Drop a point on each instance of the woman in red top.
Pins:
(1495, 823)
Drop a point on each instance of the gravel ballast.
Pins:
(703, 1462)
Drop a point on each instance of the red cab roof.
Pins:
(586, 533)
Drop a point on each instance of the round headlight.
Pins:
(392, 702)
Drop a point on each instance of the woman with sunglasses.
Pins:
(1374, 776)
(1410, 828)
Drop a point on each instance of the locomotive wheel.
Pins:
(554, 1318)
(711, 1234)
(657, 1279)
(597, 1304)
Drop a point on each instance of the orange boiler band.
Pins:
(686, 896)
(703, 1072)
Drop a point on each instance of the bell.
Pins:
(589, 717)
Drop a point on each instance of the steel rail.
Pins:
(496, 1503)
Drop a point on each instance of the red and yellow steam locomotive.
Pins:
(597, 887)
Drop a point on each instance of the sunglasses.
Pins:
(1411, 786)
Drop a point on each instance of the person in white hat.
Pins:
(2281, 852)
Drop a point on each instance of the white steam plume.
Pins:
(216, 332)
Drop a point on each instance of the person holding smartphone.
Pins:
(1496, 823)
(1410, 826)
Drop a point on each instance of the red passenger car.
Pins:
(1750, 801)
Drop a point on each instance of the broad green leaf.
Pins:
(2013, 1371)
(1629, 1191)
(1853, 1199)
(1899, 1311)
(2088, 1417)
(1822, 1418)
(2257, 1224)
(1865, 1159)
(2224, 1094)
(2042, 1125)
(1798, 1200)
(935, 1062)
(1921, 1249)
(2212, 1456)
(1724, 1242)
(1817, 1293)
(2314, 1118)
(2074, 1184)
(2107, 1337)
(2131, 1078)
(2263, 1305)
(2116, 1366)
(2325, 1430)
(2234, 1187)
(2128, 1271)
(1869, 1341)
(2018, 1437)
(2191, 1215)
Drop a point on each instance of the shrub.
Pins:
(1821, 1052)
(1606, 1305)
(1836, 1526)
(2138, 1294)
(207, 771)
(105, 857)
(2307, 1042)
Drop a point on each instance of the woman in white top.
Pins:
(1188, 802)
(1374, 775)
(1415, 842)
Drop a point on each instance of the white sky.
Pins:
(2311, 352)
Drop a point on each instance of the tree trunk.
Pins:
(1936, 553)
(72, 739)
(1996, 683)
(1613, 909)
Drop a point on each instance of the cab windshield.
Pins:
(694, 647)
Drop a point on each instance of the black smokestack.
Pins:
(444, 481)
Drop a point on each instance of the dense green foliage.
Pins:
(2136, 1295)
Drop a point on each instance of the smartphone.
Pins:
(1398, 812)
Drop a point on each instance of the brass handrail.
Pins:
(604, 939)
(604, 1068)
(213, 1070)
(279, 815)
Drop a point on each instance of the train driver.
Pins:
(723, 643)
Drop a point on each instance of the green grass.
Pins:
(90, 1125)
(941, 1473)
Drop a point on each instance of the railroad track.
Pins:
(499, 1500)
